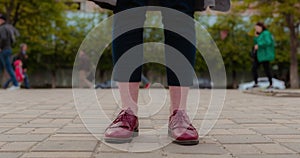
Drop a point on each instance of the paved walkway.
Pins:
(45, 123)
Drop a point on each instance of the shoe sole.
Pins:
(121, 140)
(186, 142)
(183, 142)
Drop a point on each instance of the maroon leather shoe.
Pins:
(123, 128)
(181, 130)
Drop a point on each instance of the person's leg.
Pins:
(144, 79)
(255, 66)
(1, 63)
(127, 75)
(86, 81)
(127, 69)
(178, 95)
(83, 80)
(180, 76)
(8, 66)
(146, 82)
(180, 68)
(1, 68)
(267, 70)
(129, 95)
(26, 81)
(6, 84)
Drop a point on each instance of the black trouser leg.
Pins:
(255, 66)
(129, 68)
(267, 70)
(180, 51)
(179, 74)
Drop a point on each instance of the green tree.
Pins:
(50, 30)
(284, 16)
(235, 44)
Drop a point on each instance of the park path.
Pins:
(46, 124)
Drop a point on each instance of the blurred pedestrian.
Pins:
(145, 82)
(6, 41)
(264, 52)
(19, 71)
(24, 58)
(84, 68)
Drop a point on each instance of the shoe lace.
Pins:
(123, 117)
(181, 118)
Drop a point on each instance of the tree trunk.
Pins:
(9, 9)
(17, 14)
(234, 79)
(294, 76)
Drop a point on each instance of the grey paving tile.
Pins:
(23, 138)
(241, 149)
(155, 154)
(17, 146)
(253, 121)
(10, 154)
(273, 149)
(242, 139)
(277, 131)
(269, 156)
(213, 149)
(293, 145)
(66, 146)
(197, 156)
(57, 155)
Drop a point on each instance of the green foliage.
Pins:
(51, 29)
(283, 19)
(43, 27)
(235, 48)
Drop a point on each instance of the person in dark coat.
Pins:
(6, 40)
(84, 68)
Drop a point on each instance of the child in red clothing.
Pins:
(19, 71)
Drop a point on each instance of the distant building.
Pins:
(87, 6)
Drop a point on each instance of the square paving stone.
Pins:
(115, 148)
(277, 131)
(73, 130)
(241, 149)
(10, 155)
(242, 139)
(23, 138)
(20, 131)
(144, 147)
(269, 156)
(154, 154)
(17, 146)
(146, 138)
(273, 149)
(213, 149)
(64, 137)
(57, 155)
(197, 156)
(253, 121)
(293, 146)
(67, 146)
